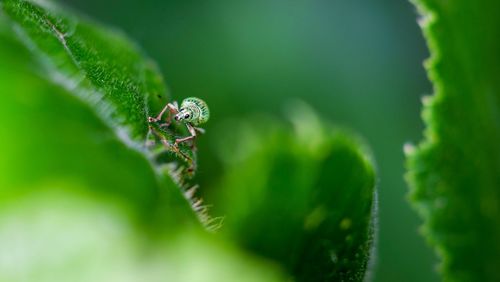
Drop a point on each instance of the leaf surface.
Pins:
(77, 204)
(454, 173)
(98, 243)
(304, 199)
(116, 80)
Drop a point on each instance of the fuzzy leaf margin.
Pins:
(108, 72)
(454, 174)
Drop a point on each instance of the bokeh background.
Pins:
(358, 63)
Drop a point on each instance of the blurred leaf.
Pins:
(98, 244)
(454, 173)
(304, 199)
(76, 203)
(108, 72)
(46, 134)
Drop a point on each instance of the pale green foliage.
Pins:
(108, 72)
(83, 198)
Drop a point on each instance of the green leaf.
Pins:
(105, 70)
(47, 134)
(454, 174)
(304, 199)
(100, 65)
(57, 234)
(77, 204)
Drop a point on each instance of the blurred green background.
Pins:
(358, 63)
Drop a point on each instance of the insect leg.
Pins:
(192, 130)
(200, 130)
(173, 108)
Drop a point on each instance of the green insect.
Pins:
(193, 112)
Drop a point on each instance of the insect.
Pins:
(193, 112)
